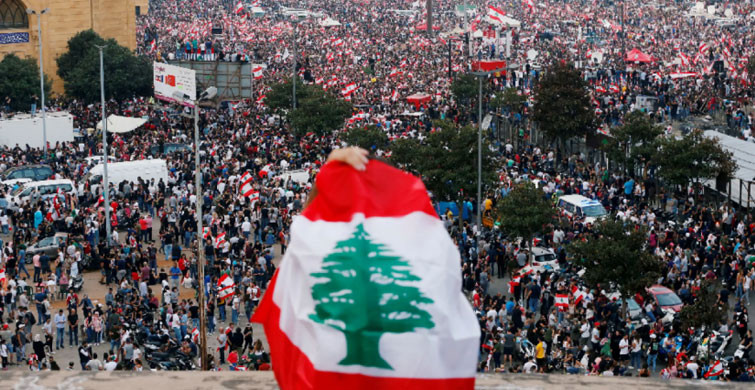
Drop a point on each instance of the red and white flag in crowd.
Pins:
(337, 42)
(205, 232)
(715, 370)
(578, 295)
(245, 184)
(371, 272)
(195, 335)
(239, 8)
(703, 48)
(153, 46)
(349, 89)
(225, 287)
(260, 99)
(394, 95)
(257, 72)
(530, 4)
(496, 13)
(395, 72)
(219, 240)
(562, 301)
(2, 276)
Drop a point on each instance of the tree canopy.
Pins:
(562, 105)
(126, 75)
(446, 160)
(617, 255)
(369, 137)
(19, 80)
(466, 87)
(693, 157)
(525, 211)
(317, 110)
(635, 142)
(706, 310)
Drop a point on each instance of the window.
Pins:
(13, 14)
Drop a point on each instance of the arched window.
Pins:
(13, 14)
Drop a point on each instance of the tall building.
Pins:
(64, 18)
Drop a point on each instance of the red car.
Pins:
(665, 298)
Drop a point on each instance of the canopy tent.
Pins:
(121, 124)
(635, 55)
(488, 65)
(423, 27)
(328, 22)
(418, 98)
(683, 75)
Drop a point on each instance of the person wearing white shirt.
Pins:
(624, 348)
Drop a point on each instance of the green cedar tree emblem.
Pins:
(365, 291)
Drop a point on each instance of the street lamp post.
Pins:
(293, 70)
(480, 75)
(41, 74)
(105, 182)
(206, 95)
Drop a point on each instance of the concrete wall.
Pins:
(109, 18)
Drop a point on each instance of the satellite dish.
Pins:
(486, 121)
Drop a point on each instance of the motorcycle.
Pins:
(76, 283)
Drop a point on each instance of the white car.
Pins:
(545, 260)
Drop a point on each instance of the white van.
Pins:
(46, 189)
(582, 207)
(129, 171)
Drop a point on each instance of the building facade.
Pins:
(64, 18)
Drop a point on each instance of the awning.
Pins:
(121, 124)
(489, 65)
(418, 98)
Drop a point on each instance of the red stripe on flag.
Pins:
(293, 370)
(343, 191)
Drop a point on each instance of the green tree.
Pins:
(510, 99)
(365, 291)
(525, 211)
(19, 80)
(317, 110)
(465, 87)
(562, 105)
(370, 137)
(618, 256)
(446, 160)
(126, 75)
(634, 143)
(706, 310)
(693, 157)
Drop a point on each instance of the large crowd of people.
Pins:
(149, 315)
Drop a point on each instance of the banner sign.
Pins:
(11, 38)
(175, 84)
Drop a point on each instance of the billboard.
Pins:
(175, 84)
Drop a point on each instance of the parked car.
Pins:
(665, 298)
(544, 260)
(47, 245)
(33, 172)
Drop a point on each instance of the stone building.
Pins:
(64, 18)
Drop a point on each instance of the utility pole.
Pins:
(429, 9)
(293, 68)
(623, 33)
(479, 159)
(206, 95)
(41, 75)
(450, 71)
(105, 182)
(200, 244)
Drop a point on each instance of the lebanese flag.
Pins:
(513, 283)
(195, 335)
(219, 240)
(349, 89)
(239, 8)
(395, 72)
(2, 277)
(614, 88)
(715, 370)
(394, 95)
(372, 273)
(257, 72)
(225, 287)
(600, 89)
(578, 294)
(530, 4)
(153, 46)
(260, 99)
(496, 14)
(562, 301)
(703, 48)
(337, 42)
(205, 232)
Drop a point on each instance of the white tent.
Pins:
(505, 21)
(744, 156)
(328, 22)
(121, 124)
